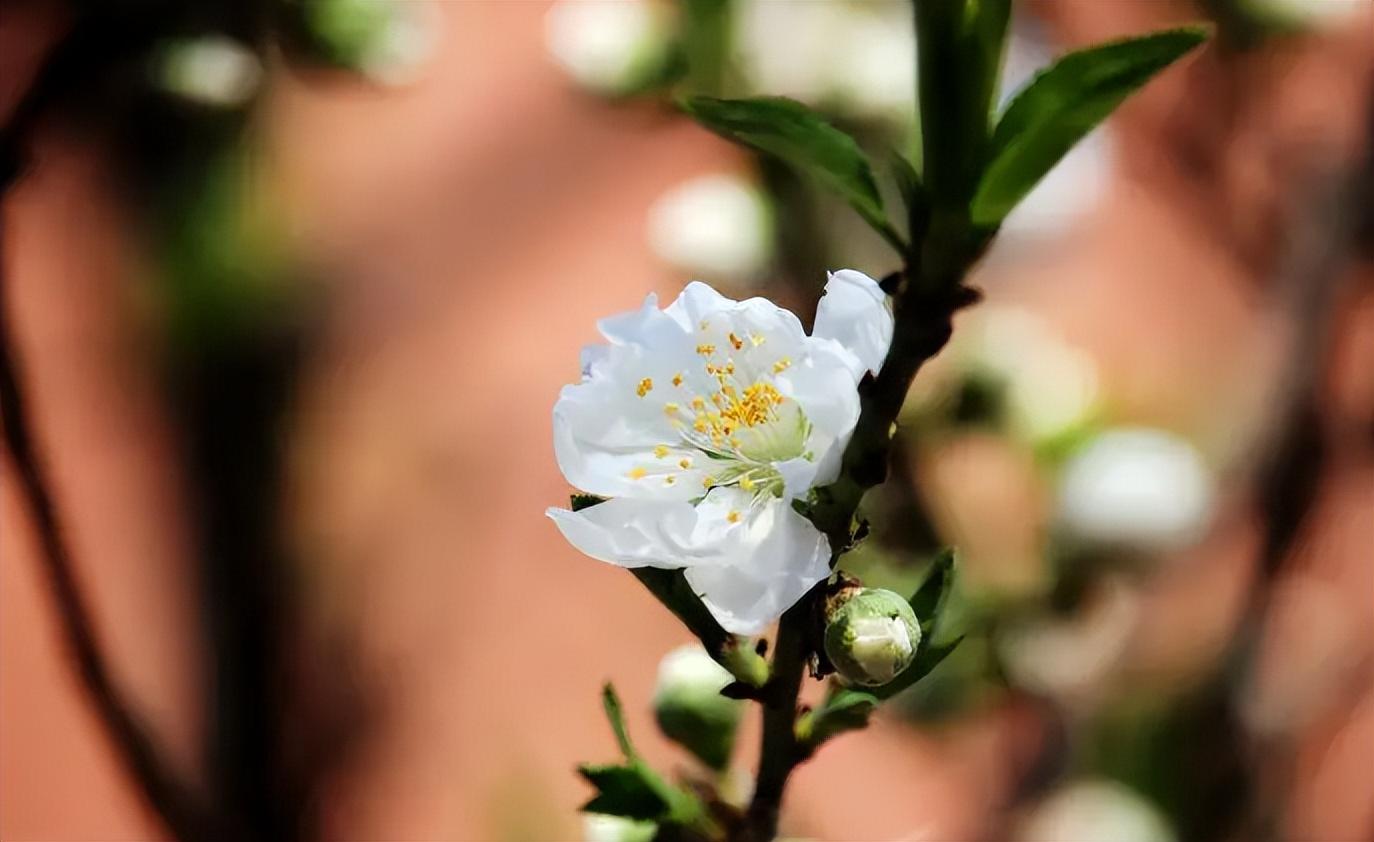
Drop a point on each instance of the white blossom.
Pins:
(1050, 386)
(1313, 14)
(702, 422)
(1136, 487)
(212, 70)
(719, 225)
(607, 45)
(1095, 810)
(597, 827)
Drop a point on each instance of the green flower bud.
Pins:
(690, 709)
(871, 636)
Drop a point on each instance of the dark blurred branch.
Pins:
(1325, 238)
(184, 812)
(186, 817)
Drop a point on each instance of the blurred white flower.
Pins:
(689, 668)
(387, 41)
(856, 58)
(602, 828)
(1051, 386)
(212, 70)
(1095, 811)
(1315, 14)
(871, 71)
(690, 709)
(607, 45)
(719, 226)
(1071, 659)
(407, 42)
(1139, 488)
(703, 422)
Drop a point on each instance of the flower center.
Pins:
(744, 424)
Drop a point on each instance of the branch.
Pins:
(185, 817)
(183, 812)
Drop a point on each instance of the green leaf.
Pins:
(1061, 105)
(635, 791)
(799, 136)
(624, 791)
(611, 702)
(934, 591)
(844, 709)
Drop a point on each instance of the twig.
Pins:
(183, 811)
(179, 807)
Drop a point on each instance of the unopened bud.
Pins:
(690, 709)
(872, 636)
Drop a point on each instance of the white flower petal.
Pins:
(823, 385)
(647, 326)
(782, 555)
(854, 312)
(632, 533)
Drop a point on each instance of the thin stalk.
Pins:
(780, 752)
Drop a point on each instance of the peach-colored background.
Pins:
(473, 227)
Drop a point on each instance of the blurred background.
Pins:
(290, 287)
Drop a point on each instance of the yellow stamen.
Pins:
(781, 365)
(684, 463)
(736, 341)
(637, 473)
(645, 387)
(706, 350)
(733, 517)
(661, 451)
(677, 379)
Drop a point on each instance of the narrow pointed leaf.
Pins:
(934, 590)
(1061, 105)
(799, 136)
(623, 791)
(616, 716)
(844, 709)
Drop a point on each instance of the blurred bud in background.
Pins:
(389, 42)
(690, 709)
(1307, 14)
(1136, 488)
(1071, 659)
(717, 227)
(857, 59)
(609, 46)
(599, 828)
(872, 636)
(214, 70)
(1049, 388)
(1095, 811)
